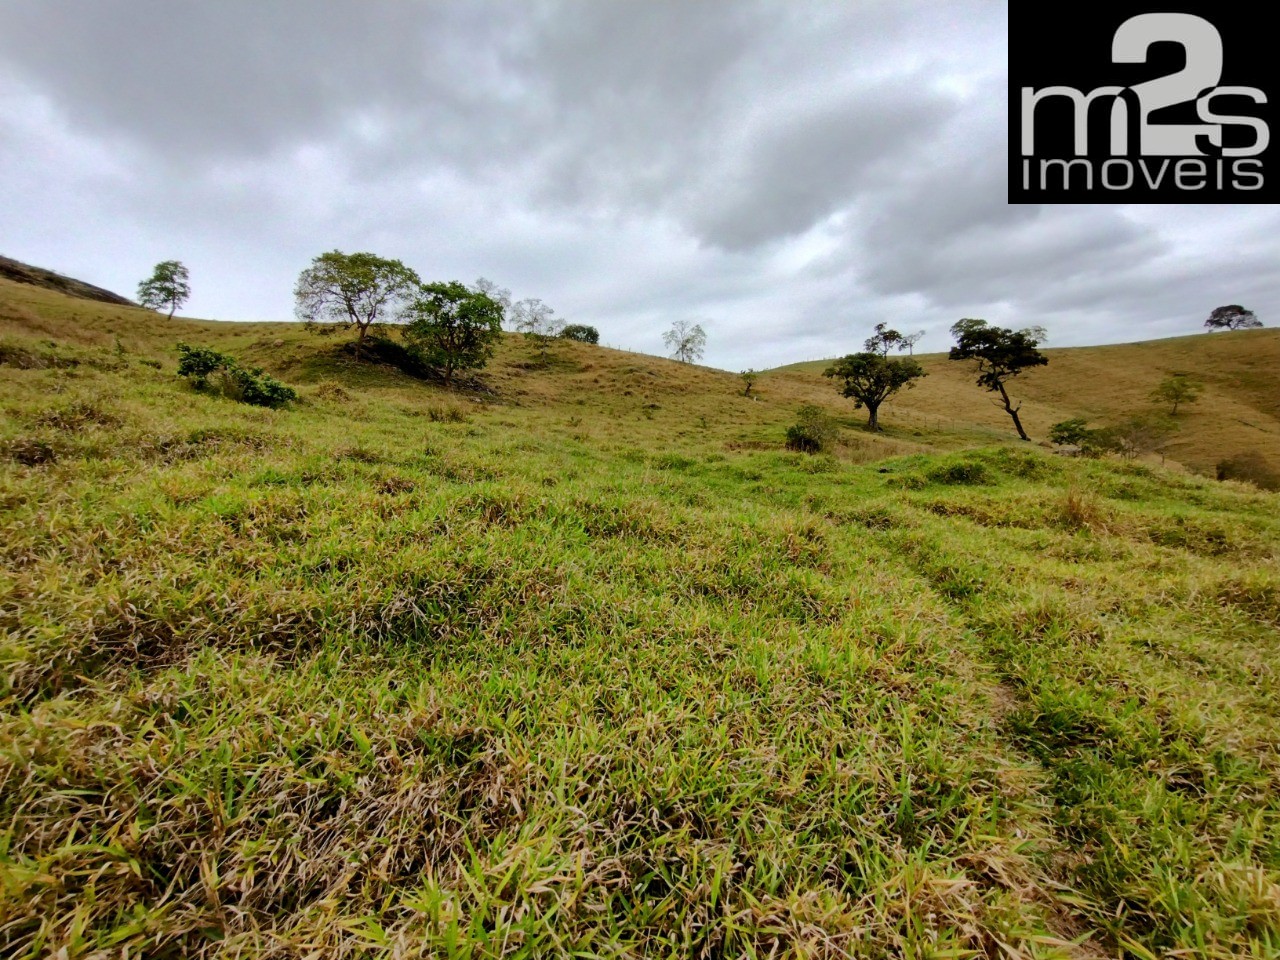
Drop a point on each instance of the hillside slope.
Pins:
(1238, 411)
(585, 664)
(18, 272)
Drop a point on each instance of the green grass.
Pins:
(396, 673)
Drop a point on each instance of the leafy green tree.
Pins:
(686, 341)
(872, 378)
(882, 340)
(1232, 317)
(1076, 432)
(748, 378)
(453, 327)
(1175, 389)
(354, 289)
(166, 287)
(1001, 355)
(581, 333)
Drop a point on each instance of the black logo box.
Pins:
(1071, 46)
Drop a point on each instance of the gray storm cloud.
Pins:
(786, 173)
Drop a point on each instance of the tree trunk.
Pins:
(172, 309)
(873, 417)
(360, 339)
(1013, 412)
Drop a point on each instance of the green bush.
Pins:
(812, 432)
(246, 385)
(199, 363)
(580, 332)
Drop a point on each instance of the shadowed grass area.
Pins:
(599, 669)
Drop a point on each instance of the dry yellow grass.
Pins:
(1238, 412)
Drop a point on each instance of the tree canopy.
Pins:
(1001, 355)
(166, 287)
(581, 333)
(1176, 389)
(453, 327)
(882, 340)
(686, 341)
(1232, 317)
(870, 378)
(359, 289)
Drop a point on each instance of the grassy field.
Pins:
(587, 665)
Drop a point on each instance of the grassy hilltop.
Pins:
(587, 664)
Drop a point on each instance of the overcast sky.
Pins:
(785, 173)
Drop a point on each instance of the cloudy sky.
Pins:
(785, 173)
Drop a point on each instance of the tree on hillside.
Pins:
(908, 342)
(453, 327)
(1001, 355)
(871, 378)
(581, 333)
(1232, 317)
(166, 287)
(748, 381)
(499, 295)
(1175, 389)
(882, 340)
(358, 289)
(538, 322)
(686, 341)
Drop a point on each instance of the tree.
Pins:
(872, 378)
(686, 341)
(1175, 389)
(581, 333)
(1232, 317)
(453, 327)
(748, 378)
(358, 289)
(880, 341)
(499, 295)
(908, 342)
(538, 322)
(1001, 355)
(166, 287)
(1076, 432)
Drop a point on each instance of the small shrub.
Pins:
(1251, 467)
(812, 432)
(234, 381)
(200, 363)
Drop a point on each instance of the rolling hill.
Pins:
(580, 661)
